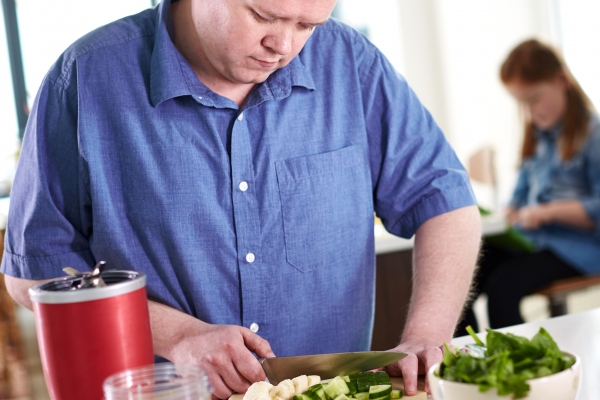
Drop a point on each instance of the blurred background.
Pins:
(448, 50)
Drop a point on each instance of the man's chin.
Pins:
(253, 78)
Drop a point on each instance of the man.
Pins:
(234, 151)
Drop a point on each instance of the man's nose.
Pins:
(279, 41)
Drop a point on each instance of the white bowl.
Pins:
(563, 385)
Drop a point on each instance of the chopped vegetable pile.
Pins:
(505, 362)
(361, 386)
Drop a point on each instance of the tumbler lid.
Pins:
(71, 290)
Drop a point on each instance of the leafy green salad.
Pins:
(505, 362)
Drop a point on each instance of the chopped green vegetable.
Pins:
(508, 363)
(361, 396)
(396, 394)
(379, 391)
(336, 387)
(363, 383)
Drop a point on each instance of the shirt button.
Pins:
(250, 257)
(254, 327)
(200, 97)
(241, 116)
(243, 186)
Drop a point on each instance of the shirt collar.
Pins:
(172, 76)
(549, 134)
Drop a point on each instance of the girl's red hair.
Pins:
(533, 62)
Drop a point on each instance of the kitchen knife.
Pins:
(326, 365)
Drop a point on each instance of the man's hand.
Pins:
(223, 351)
(422, 354)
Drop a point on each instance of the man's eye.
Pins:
(262, 19)
(307, 27)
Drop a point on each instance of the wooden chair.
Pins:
(14, 380)
(558, 291)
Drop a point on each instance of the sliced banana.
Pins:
(313, 380)
(258, 391)
(285, 390)
(291, 389)
(300, 384)
(281, 391)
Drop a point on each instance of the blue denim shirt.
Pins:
(544, 178)
(262, 214)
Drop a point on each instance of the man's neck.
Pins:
(186, 41)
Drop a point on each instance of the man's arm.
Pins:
(223, 351)
(444, 258)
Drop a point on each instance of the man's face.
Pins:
(244, 41)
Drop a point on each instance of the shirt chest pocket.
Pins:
(326, 206)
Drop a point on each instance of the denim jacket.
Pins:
(544, 177)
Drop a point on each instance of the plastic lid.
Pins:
(166, 381)
(65, 290)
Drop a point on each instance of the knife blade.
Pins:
(326, 365)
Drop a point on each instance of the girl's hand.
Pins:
(533, 217)
(512, 215)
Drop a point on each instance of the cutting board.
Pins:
(397, 383)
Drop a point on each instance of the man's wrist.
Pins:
(170, 328)
(428, 332)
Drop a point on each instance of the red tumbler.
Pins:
(87, 332)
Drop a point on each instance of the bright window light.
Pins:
(580, 33)
(47, 28)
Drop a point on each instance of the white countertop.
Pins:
(3, 212)
(388, 243)
(576, 333)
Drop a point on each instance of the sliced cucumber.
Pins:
(396, 394)
(336, 387)
(298, 397)
(363, 383)
(342, 397)
(346, 378)
(382, 378)
(386, 397)
(361, 396)
(379, 391)
(352, 387)
(318, 390)
(310, 395)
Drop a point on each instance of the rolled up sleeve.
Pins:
(49, 223)
(415, 172)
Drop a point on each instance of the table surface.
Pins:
(576, 333)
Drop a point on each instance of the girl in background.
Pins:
(556, 202)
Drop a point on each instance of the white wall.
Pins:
(451, 53)
(475, 38)
(580, 36)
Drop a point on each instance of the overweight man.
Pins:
(234, 151)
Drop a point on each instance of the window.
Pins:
(46, 29)
(8, 127)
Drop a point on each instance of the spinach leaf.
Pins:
(509, 362)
